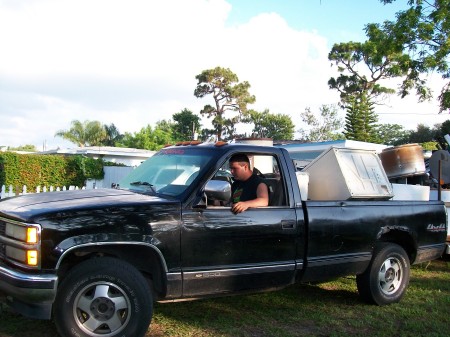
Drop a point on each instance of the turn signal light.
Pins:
(32, 235)
(32, 257)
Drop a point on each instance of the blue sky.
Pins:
(338, 20)
(134, 62)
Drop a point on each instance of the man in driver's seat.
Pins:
(248, 189)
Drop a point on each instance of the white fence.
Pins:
(11, 192)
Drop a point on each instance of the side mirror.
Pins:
(218, 190)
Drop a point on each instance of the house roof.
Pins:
(103, 150)
(320, 146)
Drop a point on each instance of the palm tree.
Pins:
(88, 133)
(112, 135)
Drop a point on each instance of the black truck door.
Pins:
(225, 252)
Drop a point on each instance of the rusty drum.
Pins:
(403, 161)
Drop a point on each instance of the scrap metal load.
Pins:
(439, 162)
(403, 161)
(344, 173)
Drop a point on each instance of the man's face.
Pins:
(238, 170)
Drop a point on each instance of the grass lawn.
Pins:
(326, 309)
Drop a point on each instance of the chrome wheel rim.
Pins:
(102, 309)
(390, 276)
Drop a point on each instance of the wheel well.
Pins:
(402, 239)
(143, 258)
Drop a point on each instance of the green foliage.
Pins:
(360, 120)
(422, 34)
(89, 133)
(391, 134)
(429, 146)
(28, 148)
(47, 170)
(267, 125)
(361, 67)
(230, 97)
(147, 138)
(322, 128)
(112, 135)
(185, 124)
(445, 127)
(424, 134)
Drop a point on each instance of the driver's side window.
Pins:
(265, 166)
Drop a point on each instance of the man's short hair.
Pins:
(239, 158)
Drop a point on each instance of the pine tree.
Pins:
(360, 120)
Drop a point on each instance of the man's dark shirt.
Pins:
(245, 190)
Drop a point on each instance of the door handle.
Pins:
(287, 224)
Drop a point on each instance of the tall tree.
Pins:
(165, 125)
(112, 135)
(268, 125)
(186, 123)
(445, 127)
(88, 133)
(422, 33)
(323, 127)
(231, 98)
(424, 133)
(147, 138)
(362, 67)
(360, 120)
(392, 134)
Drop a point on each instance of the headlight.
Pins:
(25, 233)
(21, 243)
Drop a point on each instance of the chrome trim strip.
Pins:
(45, 279)
(174, 276)
(342, 259)
(428, 247)
(299, 264)
(228, 272)
(114, 243)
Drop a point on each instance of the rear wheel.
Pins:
(387, 277)
(103, 297)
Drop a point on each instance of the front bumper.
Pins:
(30, 295)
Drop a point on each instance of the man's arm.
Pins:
(262, 199)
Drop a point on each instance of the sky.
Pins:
(132, 63)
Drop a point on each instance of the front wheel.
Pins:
(103, 297)
(387, 277)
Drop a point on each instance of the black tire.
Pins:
(103, 297)
(387, 277)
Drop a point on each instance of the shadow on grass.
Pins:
(15, 325)
(299, 310)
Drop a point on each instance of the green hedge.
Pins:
(47, 170)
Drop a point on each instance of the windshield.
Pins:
(170, 171)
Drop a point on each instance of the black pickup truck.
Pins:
(96, 260)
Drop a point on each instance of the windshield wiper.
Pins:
(144, 183)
